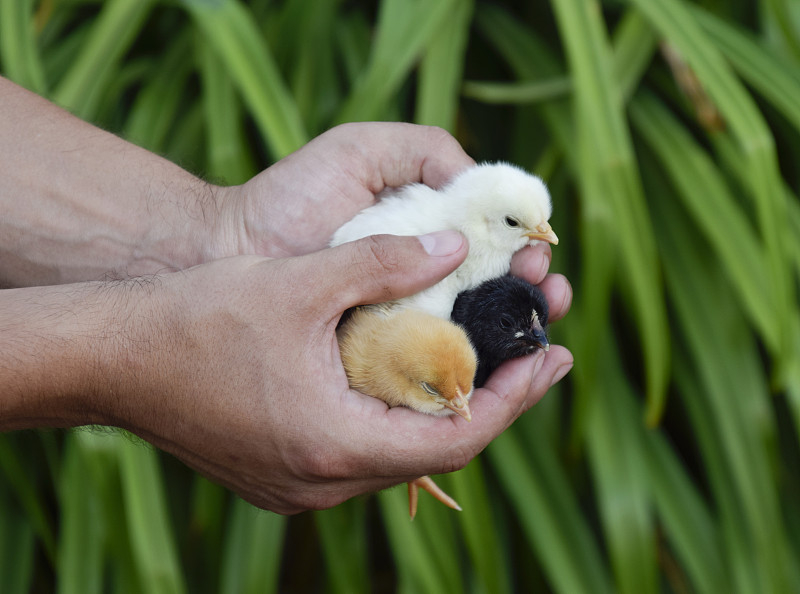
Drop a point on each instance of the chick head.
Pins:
(509, 317)
(438, 364)
(409, 358)
(503, 206)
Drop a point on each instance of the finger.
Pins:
(385, 267)
(532, 262)
(394, 154)
(558, 291)
(520, 383)
(399, 442)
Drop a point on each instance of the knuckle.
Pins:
(458, 458)
(377, 252)
(441, 138)
(321, 465)
(378, 264)
(440, 135)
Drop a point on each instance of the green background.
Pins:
(669, 134)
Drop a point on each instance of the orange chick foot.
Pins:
(427, 483)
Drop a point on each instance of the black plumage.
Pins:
(505, 318)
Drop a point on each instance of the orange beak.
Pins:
(459, 406)
(544, 232)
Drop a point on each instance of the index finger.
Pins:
(393, 154)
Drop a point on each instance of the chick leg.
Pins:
(427, 483)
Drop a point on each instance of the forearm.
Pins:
(51, 340)
(78, 202)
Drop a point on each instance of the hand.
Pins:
(250, 390)
(293, 207)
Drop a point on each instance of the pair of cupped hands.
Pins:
(234, 363)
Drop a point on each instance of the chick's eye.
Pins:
(506, 322)
(512, 222)
(429, 389)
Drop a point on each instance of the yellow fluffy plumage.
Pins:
(408, 358)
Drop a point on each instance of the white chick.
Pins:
(498, 207)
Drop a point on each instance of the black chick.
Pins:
(505, 318)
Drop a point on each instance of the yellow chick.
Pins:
(410, 358)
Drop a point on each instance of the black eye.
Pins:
(511, 222)
(506, 322)
(429, 389)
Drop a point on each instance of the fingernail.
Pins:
(442, 243)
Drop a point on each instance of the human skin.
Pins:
(202, 317)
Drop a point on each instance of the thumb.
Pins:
(384, 267)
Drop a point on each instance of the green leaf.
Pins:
(729, 405)
(152, 539)
(616, 223)
(343, 536)
(253, 546)
(546, 509)
(440, 71)
(686, 518)
(82, 88)
(708, 199)
(404, 30)
(229, 27)
(82, 529)
(158, 103)
(489, 558)
(17, 546)
(19, 54)
(424, 550)
(675, 22)
(229, 159)
(521, 92)
(615, 444)
(29, 497)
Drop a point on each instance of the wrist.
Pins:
(68, 354)
(179, 230)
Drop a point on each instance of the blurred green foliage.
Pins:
(668, 132)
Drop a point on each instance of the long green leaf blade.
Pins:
(611, 186)
(230, 28)
(252, 551)
(441, 69)
(674, 21)
(152, 541)
(82, 88)
(615, 445)
(405, 28)
(19, 54)
(545, 506)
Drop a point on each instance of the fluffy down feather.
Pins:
(498, 207)
(408, 358)
(505, 318)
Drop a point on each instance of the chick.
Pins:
(498, 207)
(505, 318)
(410, 358)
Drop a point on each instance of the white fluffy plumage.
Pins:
(499, 208)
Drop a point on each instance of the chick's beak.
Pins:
(544, 232)
(539, 335)
(459, 406)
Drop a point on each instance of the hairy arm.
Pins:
(56, 342)
(78, 202)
